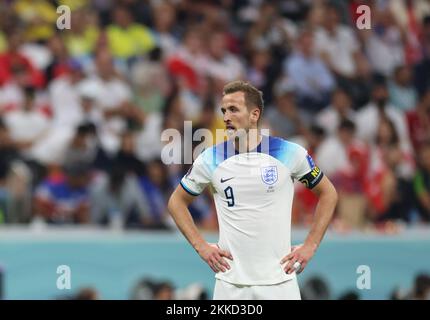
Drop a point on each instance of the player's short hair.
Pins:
(253, 96)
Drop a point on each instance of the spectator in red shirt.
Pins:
(12, 60)
(419, 121)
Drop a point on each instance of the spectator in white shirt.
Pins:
(339, 109)
(27, 126)
(223, 65)
(340, 50)
(65, 102)
(337, 45)
(113, 98)
(369, 117)
(384, 43)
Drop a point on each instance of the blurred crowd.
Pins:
(315, 287)
(82, 109)
(146, 288)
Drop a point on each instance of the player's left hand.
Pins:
(301, 254)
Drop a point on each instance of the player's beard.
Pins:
(235, 134)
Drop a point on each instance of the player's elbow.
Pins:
(175, 203)
(332, 194)
(335, 196)
(328, 193)
(172, 203)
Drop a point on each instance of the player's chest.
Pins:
(251, 177)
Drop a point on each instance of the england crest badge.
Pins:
(269, 174)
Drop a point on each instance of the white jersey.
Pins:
(253, 194)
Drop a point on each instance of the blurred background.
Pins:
(82, 111)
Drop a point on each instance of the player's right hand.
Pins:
(214, 257)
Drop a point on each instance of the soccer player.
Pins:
(252, 178)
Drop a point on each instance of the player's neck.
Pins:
(248, 142)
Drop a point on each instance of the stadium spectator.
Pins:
(339, 109)
(389, 184)
(409, 15)
(114, 98)
(27, 126)
(345, 159)
(8, 148)
(335, 156)
(210, 118)
(190, 60)
(422, 69)
(349, 295)
(157, 187)
(222, 66)
(13, 61)
(378, 108)
(83, 146)
(311, 76)
(39, 20)
(285, 118)
(316, 288)
(164, 291)
(59, 62)
(3, 42)
(338, 46)
(385, 42)
(81, 38)
(16, 180)
(257, 71)
(128, 39)
(421, 288)
(151, 289)
(87, 293)
(165, 28)
(422, 182)
(269, 31)
(116, 200)
(63, 197)
(403, 95)
(64, 96)
(151, 83)
(126, 155)
(180, 55)
(419, 121)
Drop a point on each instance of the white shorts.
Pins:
(288, 290)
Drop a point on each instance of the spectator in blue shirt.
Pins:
(310, 75)
(64, 198)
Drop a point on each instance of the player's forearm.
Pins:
(323, 215)
(183, 219)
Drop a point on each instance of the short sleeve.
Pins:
(198, 176)
(305, 170)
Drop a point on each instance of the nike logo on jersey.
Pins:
(225, 180)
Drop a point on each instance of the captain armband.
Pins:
(312, 178)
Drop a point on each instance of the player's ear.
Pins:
(255, 115)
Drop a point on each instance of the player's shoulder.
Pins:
(287, 152)
(283, 145)
(209, 151)
(213, 155)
